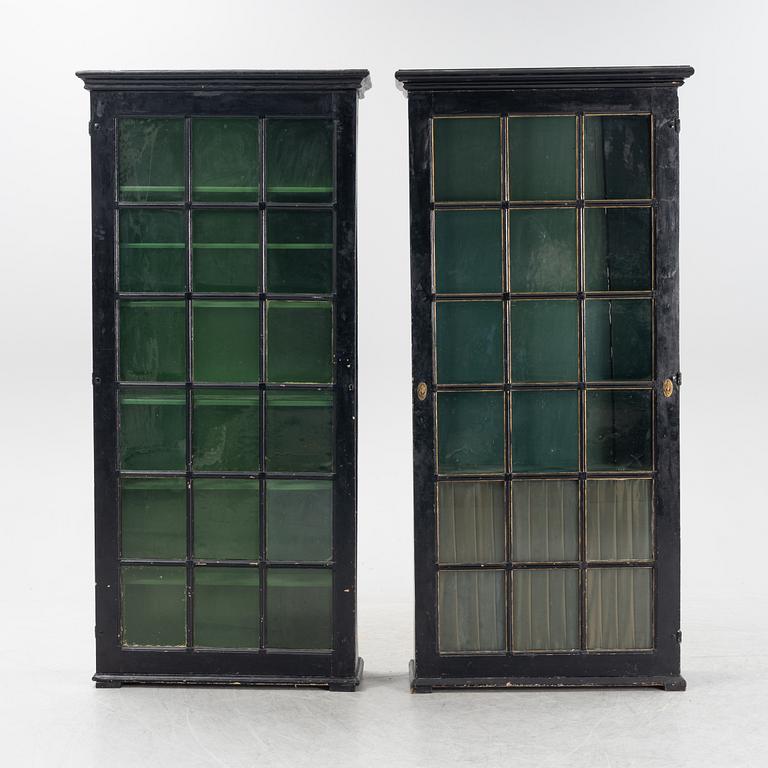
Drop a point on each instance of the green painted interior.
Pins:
(299, 608)
(153, 517)
(154, 605)
(226, 607)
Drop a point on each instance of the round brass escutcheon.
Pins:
(667, 387)
(421, 391)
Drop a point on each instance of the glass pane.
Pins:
(300, 161)
(542, 158)
(619, 606)
(546, 609)
(153, 254)
(225, 251)
(299, 520)
(619, 430)
(226, 607)
(300, 341)
(471, 611)
(619, 339)
(467, 158)
(545, 431)
(619, 519)
(153, 428)
(154, 605)
(470, 522)
(617, 157)
(153, 514)
(300, 251)
(299, 608)
(468, 254)
(226, 519)
(618, 249)
(542, 250)
(299, 431)
(226, 340)
(545, 340)
(225, 425)
(468, 342)
(225, 159)
(153, 340)
(470, 429)
(151, 159)
(545, 520)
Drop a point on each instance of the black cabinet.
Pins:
(544, 257)
(224, 337)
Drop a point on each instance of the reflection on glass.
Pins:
(617, 157)
(152, 250)
(619, 339)
(471, 611)
(545, 520)
(226, 607)
(619, 430)
(470, 522)
(226, 518)
(542, 157)
(546, 609)
(154, 605)
(619, 519)
(467, 159)
(153, 515)
(469, 342)
(468, 253)
(619, 608)
(470, 432)
(225, 159)
(299, 605)
(542, 250)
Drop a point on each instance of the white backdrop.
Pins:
(46, 592)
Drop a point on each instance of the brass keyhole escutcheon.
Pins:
(668, 387)
(421, 391)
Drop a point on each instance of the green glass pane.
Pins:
(468, 254)
(225, 159)
(542, 158)
(471, 611)
(470, 429)
(151, 159)
(544, 337)
(619, 514)
(545, 520)
(619, 430)
(154, 605)
(300, 161)
(226, 340)
(546, 609)
(153, 255)
(225, 424)
(299, 519)
(542, 250)
(619, 608)
(619, 336)
(299, 431)
(299, 608)
(469, 342)
(226, 518)
(470, 522)
(226, 607)
(467, 157)
(300, 341)
(153, 340)
(153, 515)
(617, 157)
(225, 251)
(618, 249)
(153, 428)
(300, 251)
(545, 431)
